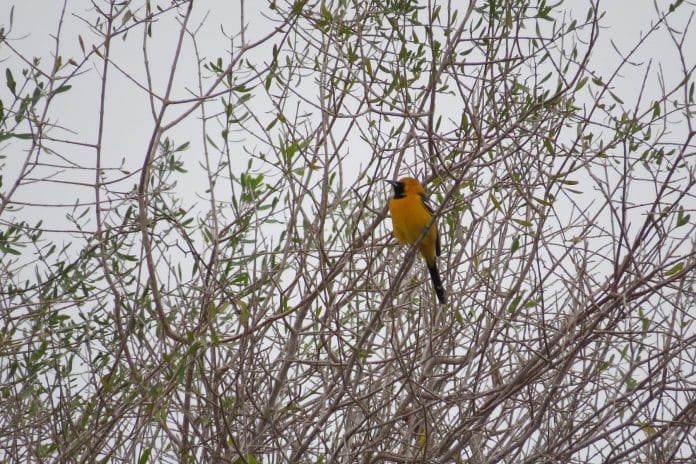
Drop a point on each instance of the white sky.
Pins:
(128, 118)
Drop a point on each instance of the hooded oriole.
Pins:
(411, 213)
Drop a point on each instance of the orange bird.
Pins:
(411, 214)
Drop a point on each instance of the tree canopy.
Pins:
(197, 264)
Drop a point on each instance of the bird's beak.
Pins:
(392, 182)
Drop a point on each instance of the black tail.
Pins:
(437, 283)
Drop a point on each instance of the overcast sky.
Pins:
(129, 121)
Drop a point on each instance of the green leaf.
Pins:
(656, 109)
(616, 97)
(436, 14)
(126, 17)
(145, 456)
(549, 146)
(10, 251)
(182, 147)
(523, 223)
(581, 83)
(631, 384)
(513, 305)
(272, 123)
(675, 269)
(297, 7)
(495, 202)
(62, 88)
(515, 245)
(126, 257)
(9, 135)
(544, 202)
(675, 5)
(648, 429)
(11, 83)
(57, 64)
(682, 219)
(35, 95)
(604, 365)
(325, 13)
(530, 303)
(567, 182)
(269, 80)
(368, 66)
(645, 322)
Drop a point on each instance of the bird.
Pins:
(410, 214)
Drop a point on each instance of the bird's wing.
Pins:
(426, 203)
(429, 207)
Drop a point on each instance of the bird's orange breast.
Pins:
(409, 218)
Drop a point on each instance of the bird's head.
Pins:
(406, 185)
